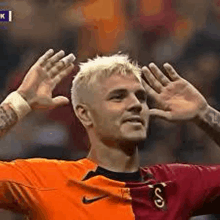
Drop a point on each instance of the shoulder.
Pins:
(180, 171)
(70, 169)
(171, 170)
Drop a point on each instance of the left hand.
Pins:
(176, 97)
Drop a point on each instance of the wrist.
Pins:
(203, 112)
(18, 103)
(200, 117)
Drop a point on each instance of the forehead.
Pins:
(116, 81)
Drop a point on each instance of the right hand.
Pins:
(42, 78)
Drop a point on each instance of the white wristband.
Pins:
(20, 106)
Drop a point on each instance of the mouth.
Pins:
(135, 121)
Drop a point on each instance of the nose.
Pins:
(134, 104)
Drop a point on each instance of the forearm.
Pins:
(209, 121)
(8, 118)
(12, 109)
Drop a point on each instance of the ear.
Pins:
(84, 115)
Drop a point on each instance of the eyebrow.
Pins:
(118, 91)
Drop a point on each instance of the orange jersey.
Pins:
(55, 190)
(81, 190)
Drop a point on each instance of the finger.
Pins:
(68, 59)
(159, 74)
(160, 113)
(52, 61)
(152, 80)
(60, 101)
(61, 65)
(56, 69)
(45, 57)
(171, 71)
(57, 79)
(149, 91)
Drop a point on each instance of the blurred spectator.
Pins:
(8, 215)
(208, 38)
(104, 26)
(152, 21)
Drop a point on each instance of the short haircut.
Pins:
(99, 68)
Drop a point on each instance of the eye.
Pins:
(117, 97)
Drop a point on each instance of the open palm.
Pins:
(42, 78)
(176, 98)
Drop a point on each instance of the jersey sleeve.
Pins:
(199, 187)
(21, 182)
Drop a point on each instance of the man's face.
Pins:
(120, 112)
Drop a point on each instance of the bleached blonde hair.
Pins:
(99, 68)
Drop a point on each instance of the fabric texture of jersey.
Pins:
(57, 189)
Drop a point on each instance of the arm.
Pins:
(35, 92)
(197, 188)
(8, 118)
(209, 121)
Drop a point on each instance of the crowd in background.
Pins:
(184, 33)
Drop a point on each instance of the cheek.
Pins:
(115, 112)
(111, 115)
(102, 117)
(115, 108)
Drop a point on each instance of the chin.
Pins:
(134, 140)
(136, 136)
(134, 133)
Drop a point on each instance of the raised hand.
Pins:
(43, 77)
(176, 98)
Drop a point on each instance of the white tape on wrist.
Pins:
(20, 106)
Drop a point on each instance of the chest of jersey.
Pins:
(102, 198)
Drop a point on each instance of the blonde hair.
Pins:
(99, 68)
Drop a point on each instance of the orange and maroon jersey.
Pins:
(81, 190)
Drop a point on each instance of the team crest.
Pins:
(157, 194)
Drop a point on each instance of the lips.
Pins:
(134, 119)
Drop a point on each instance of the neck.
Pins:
(115, 158)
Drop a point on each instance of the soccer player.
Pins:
(109, 98)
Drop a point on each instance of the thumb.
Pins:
(60, 101)
(160, 113)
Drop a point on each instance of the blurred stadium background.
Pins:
(185, 33)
